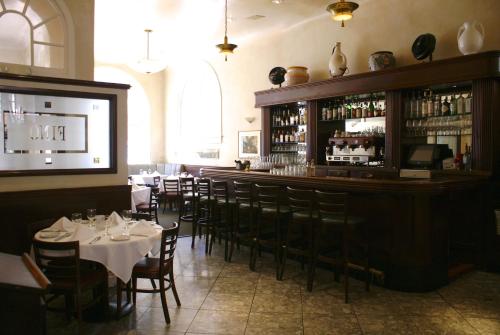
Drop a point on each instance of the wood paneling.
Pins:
(19, 209)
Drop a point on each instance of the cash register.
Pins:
(425, 157)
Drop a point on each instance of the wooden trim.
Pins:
(63, 81)
(35, 271)
(457, 69)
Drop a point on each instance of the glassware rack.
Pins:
(439, 115)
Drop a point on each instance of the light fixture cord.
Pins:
(225, 25)
(147, 44)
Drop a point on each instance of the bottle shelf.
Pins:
(362, 119)
(287, 127)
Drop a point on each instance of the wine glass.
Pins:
(76, 217)
(91, 217)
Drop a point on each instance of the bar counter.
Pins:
(417, 229)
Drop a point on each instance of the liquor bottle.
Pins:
(460, 104)
(413, 106)
(453, 105)
(437, 105)
(467, 159)
(371, 108)
(348, 111)
(419, 106)
(423, 107)
(343, 112)
(407, 108)
(445, 106)
(305, 116)
(282, 137)
(468, 103)
(430, 104)
(323, 114)
(382, 107)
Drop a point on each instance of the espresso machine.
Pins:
(355, 150)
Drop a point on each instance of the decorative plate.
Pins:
(423, 46)
(277, 75)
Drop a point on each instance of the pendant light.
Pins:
(148, 65)
(342, 10)
(226, 48)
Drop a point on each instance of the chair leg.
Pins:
(153, 283)
(134, 290)
(195, 228)
(174, 289)
(253, 246)
(207, 236)
(118, 298)
(164, 300)
(78, 306)
(346, 281)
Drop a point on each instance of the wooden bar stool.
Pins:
(243, 217)
(203, 211)
(221, 223)
(187, 200)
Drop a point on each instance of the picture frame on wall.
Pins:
(249, 144)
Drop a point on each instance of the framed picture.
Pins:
(249, 144)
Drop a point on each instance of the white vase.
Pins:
(470, 37)
(338, 62)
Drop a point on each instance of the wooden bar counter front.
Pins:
(411, 223)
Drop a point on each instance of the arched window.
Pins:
(41, 39)
(138, 114)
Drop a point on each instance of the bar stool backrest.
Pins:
(300, 200)
(203, 188)
(243, 193)
(186, 186)
(220, 192)
(268, 197)
(332, 204)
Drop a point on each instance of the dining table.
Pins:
(118, 247)
(139, 195)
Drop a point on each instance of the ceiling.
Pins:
(190, 25)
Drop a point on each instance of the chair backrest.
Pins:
(59, 261)
(168, 244)
(186, 185)
(33, 227)
(153, 196)
(171, 186)
(329, 203)
(268, 196)
(300, 201)
(204, 188)
(219, 190)
(156, 181)
(243, 192)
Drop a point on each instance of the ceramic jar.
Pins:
(296, 75)
(381, 60)
(338, 62)
(470, 37)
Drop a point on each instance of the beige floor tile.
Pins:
(486, 326)
(325, 304)
(277, 303)
(153, 319)
(274, 324)
(234, 285)
(237, 302)
(335, 324)
(219, 322)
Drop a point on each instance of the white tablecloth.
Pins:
(147, 178)
(139, 195)
(118, 257)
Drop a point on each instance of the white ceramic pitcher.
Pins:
(470, 37)
(338, 62)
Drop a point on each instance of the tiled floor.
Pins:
(227, 298)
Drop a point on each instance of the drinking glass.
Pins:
(127, 215)
(91, 217)
(76, 217)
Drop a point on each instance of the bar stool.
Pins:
(203, 211)
(187, 202)
(270, 213)
(221, 223)
(298, 233)
(243, 218)
(335, 234)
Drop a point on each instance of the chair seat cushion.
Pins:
(88, 278)
(148, 267)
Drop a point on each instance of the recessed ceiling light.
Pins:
(277, 2)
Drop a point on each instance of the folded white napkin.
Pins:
(63, 224)
(136, 187)
(115, 219)
(82, 233)
(143, 228)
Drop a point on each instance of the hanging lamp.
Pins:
(148, 65)
(342, 10)
(226, 48)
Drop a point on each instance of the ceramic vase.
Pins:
(470, 37)
(381, 60)
(338, 62)
(296, 75)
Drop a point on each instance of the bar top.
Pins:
(437, 184)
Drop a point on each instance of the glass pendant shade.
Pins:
(148, 65)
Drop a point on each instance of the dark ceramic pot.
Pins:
(381, 60)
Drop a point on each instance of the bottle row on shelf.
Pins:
(375, 131)
(289, 147)
(289, 136)
(284, 116)
(423, 104)
(440, 126)
(353, 108)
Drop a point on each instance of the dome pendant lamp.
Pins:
(342, 10)
(226, 48)
(148, 65)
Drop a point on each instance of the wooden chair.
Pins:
(221, 223)
(298, 232)
(203, 211)
(335, 236)
(161, 269)
(271, 211)
(171, 193)
(60, 262)
(243, 217)
(187, 203)
(150, 208)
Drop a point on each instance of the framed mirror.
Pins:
(47, 132)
